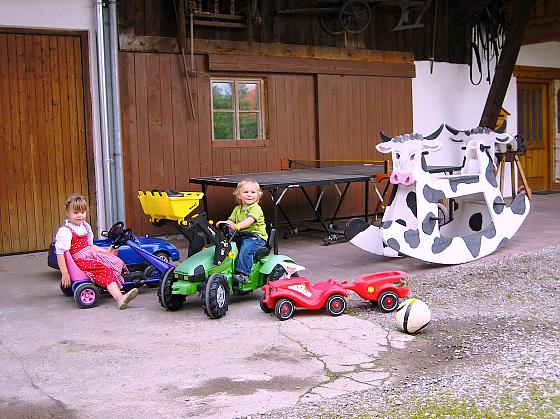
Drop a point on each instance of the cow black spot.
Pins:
(429, 223)
(473, 243)
(411, 202)
(490, 231)
(393, 244)
(475, 221)
(386, 224)
(498, 205)
(412, 237)
(432, 195)
(440, 244)
(401, 222)
(518, 205)
(456, 181)
(490, 174)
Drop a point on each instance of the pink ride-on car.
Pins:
(381, 288)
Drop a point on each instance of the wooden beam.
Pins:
(504, 70)
(289, 65)
(202, 46)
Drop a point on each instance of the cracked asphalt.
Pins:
(490, 350)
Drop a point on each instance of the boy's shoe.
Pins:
(127, 298)
(240, 278)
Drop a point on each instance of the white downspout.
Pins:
(106, 164)
(115, 94)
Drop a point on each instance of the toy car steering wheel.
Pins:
(122, 237)
(115, 230)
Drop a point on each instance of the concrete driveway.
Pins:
(59, 360)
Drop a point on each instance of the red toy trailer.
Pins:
(381, 288)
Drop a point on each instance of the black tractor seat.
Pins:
(265, 250)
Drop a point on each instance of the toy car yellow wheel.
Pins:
(284, 309)
(336, 305)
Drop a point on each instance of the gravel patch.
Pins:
(492, 349)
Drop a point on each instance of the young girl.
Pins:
(101, 265)
(248, 219)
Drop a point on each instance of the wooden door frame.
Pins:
(88, 116)
(546, 75)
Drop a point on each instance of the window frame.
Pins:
(261, 112)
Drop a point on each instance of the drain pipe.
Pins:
(115, 93)
(107, 192)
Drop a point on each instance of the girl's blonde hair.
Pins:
(245, 181)
(76, 203)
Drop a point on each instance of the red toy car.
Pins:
(382, 288)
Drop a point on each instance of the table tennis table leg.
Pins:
(341, 199)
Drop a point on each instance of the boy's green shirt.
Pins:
(256, 213)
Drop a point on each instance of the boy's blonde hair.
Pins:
(76, 203)
(245, 181)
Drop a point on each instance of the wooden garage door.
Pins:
(42, 135)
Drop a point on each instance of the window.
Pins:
(237, 109)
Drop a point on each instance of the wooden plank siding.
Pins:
(352, 110)
(43, 135)
(309, 115)
(164, 146)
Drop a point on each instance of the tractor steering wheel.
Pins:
(228, 232)
(122, 237)
(115, 230)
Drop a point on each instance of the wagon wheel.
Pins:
(330, 22)
(354, 16)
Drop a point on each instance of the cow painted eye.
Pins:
(398, 155)
(412, 156)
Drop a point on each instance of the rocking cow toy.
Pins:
(477, 222)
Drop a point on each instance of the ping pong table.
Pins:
(279, 183)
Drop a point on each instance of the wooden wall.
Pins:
(45, 134)
(311, 114)
(157, 18)
(165, 146)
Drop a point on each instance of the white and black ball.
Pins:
(412, 315)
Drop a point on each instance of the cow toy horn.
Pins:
(384, 136)
(435, 133)
(452, 130)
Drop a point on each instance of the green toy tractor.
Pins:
(209, 272)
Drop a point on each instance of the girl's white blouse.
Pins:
(63, 237)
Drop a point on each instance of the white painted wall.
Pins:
(546, 54)
(61, 15)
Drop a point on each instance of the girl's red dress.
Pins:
(102, 267)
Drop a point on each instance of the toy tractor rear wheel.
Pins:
(86, 295)
(388, 301)
(167, 299)
(216, 296)
(284, 309)
(264, 307)
(336, 305)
